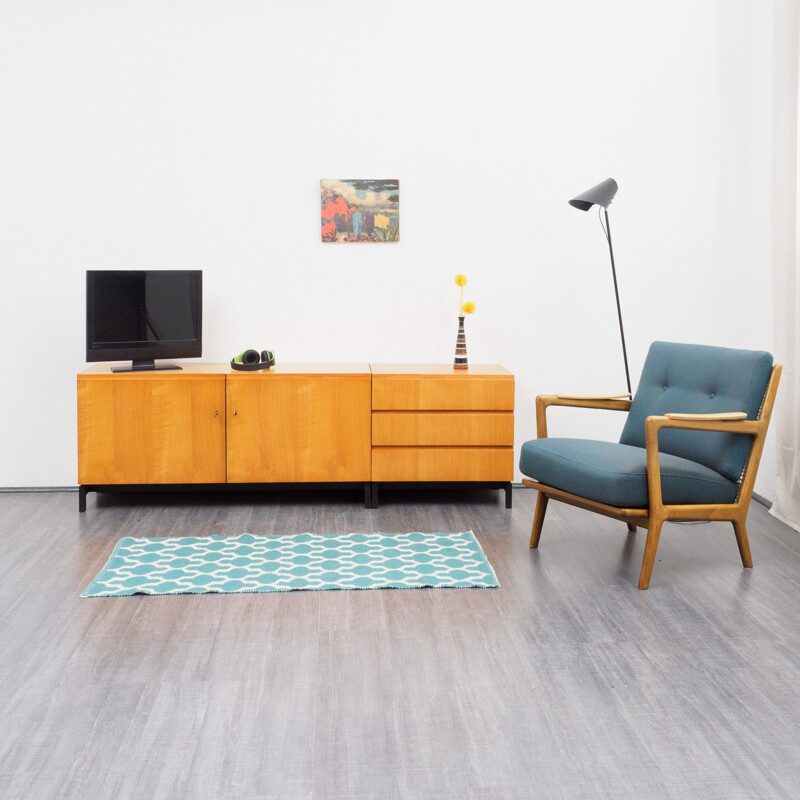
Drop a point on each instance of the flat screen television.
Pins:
(143, 315)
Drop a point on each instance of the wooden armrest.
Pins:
(727, 422)
(624, 396)
(619, 402)
(615, 402)
(725, 415)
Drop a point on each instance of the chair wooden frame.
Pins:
(657, 512)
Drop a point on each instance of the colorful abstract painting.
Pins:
(360, 210)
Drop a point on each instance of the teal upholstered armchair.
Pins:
(711, 406)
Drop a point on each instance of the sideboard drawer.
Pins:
(443, 428)
(442, 463)
(441, 392)
(432, 423)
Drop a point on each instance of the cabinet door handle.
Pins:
(235, 413)
(216, 413)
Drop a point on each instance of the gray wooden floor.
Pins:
(566, 682)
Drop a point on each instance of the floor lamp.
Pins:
(602, 195)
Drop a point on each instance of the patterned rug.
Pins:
(247, 563)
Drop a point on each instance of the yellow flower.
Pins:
(463, 308)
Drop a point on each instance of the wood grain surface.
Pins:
(442, 428)
(434, 392)
(152, 430)
(295, 428)
(567, 682)
(442, 463)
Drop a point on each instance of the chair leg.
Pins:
(631, 528)
(538, 519)
(744, 544)
(650, 547)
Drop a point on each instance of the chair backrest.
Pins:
(697, 379)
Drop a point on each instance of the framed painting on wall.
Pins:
(360, 210)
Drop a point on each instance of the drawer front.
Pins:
(446, 393)
(442, 428)
(442, 463)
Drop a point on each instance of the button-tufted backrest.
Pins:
(697, 379)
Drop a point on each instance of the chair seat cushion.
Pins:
(616, 474)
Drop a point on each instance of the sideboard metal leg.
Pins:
(81, 499)
(374, 495)
(507, 487)
(367, 494)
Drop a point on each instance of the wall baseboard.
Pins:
(762, 500)
(8, 489)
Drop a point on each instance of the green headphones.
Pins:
(251, 360)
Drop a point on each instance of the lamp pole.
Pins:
(602, 195)
(616, 294)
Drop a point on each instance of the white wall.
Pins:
(165, 134)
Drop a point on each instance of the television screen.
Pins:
(143, 315)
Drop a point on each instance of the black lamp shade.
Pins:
(600, 195)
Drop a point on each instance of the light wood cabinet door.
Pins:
(285, 428)
(138, 430)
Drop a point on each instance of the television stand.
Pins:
(146, 364)
(296, 426)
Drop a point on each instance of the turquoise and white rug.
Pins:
(247, 563)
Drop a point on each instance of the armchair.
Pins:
(712, 407)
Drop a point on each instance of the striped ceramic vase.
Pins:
(460, 361)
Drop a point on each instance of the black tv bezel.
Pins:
(152, 350)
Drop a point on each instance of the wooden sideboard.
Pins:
(209, 426)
